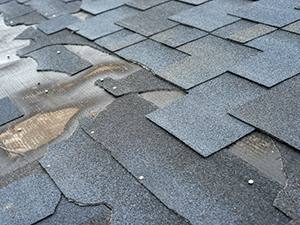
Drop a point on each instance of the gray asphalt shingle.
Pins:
(200, 118)
(85, 172)
(99, 6)
(8, 111)
(209, 16)
(152, 54)
(105, 23)
(27, 19)
(13, 9)
(58, 58)
(153, 20)
(28, 200)
(214, 190)
(144, 4)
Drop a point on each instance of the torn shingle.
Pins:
(209, 16)
(69, 213)
(211, 56)
(151, 54)
(58, 58)
(138, 82)
(144, 4)
(119, 40)
(8, 111)
(153, 20)
(200, 118)
(87, 174)
(214, 190)
(40, 40)
(54, 8)
(57, 23)
(105, 23)
(275, 13)
(178, 35)
(276, 113)
(99, 6)
(28, 200)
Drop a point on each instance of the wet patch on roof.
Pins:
(200, 118)
(294, 27)
(57, 23)
(144, 4)
(28, 200)
(28, 19)
(138, 82)
(69, 213)
(58, 58)
(105, 23)
(13, 9)
(178, 35)
(260, 151)
(40, 40)
(152, 54)
(209, 16)
(251, 33)
(54, 8)
(275, 13)
(119, 40)
(87, 174)
(153, 20)
(96, 7)
(211, 56)
(8, 111)
(198, 189)
(276, 113)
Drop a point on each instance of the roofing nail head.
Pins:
(92, 132)
(250, 182)
(46, 91)
(39, 82)
(20, 129)
(101, 79)
(141, 177)
(58, 52)
(48, 166)
(8, 56)
(114, 87)
(11, 22)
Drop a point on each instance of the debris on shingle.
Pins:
(259, 150)
(152, 54)
(209, 16)
(119, 40)
(294, 27)
(251, 33)
(105, 23)
(40, 40)
(28, 200)
(138, 82)
(58, 58)
(178, 35)
(211, 56)
(276, 13)
(8, 111)
(95, 7)
(144, 4)
(69, 213)
(154, 20)
(86, 173)
(13, 9)
(54, 8)
(57, 23)
(276, 113)
(214, 190)
(27, 19)
(200, 118)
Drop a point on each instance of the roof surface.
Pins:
(149, 112)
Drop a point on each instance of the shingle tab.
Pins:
(28, 200)
(58, 58)
(8, 111)
(154, 20)
(152, 54)
(13, 9)
(294, 27)
(119, 40)
(198, 189)
(99, 6)
(178, 35)
(209, 16)
(144, 4)
(86, 172)
(105, 23)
